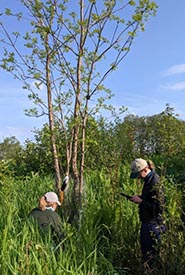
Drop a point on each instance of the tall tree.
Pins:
(70, 48)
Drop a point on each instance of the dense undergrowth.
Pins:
(106, 241)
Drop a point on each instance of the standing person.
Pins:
(47, 217)
(151, 204)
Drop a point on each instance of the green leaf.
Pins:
(132, 3)
(8, 12)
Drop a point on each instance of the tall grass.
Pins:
(107, 241)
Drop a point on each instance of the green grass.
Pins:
(107, 241)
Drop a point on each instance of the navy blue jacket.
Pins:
(152, 205)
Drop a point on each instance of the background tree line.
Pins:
(109, 145)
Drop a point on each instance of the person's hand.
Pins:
(65, 184)
(136, 199)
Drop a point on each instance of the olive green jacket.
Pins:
(48, 220)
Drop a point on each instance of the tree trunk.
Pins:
(51, 121)
(77, 121)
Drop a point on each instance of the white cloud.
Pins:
(179, 86)
(176, 69)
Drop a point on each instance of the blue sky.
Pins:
(152, 74)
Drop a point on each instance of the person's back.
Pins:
(46, 217)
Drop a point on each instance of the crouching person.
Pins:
(47, 218)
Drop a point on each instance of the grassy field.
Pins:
(106, 241)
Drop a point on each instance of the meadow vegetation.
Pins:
(106, 239)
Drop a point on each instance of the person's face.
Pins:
(143, 173)
(54, 205)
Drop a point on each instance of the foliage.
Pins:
(158, 137)
(9, 148)
(107, 240)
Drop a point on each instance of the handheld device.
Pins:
(126, 196)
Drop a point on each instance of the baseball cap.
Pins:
(52, 197)
(137, 165)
